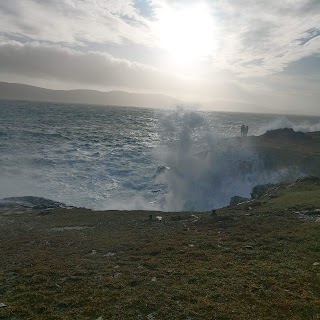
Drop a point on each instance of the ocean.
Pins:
(104, 157)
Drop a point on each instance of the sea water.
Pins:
(105, 157)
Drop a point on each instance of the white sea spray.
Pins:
(208, 179)
(106, 157)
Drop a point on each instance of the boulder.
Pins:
(260, 190)
(287, 134)
(236, 200)
(30, 202)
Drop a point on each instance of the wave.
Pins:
(109, 163)
(205, 180)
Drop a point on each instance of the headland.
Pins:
(257, 259)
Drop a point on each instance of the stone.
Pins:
(110, 254)
(286, 134)
(237, 200)
(315, 264)
(2, 305)
(30, 202)
(248, 247)
(260, 190)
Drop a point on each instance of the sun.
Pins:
(188, 33)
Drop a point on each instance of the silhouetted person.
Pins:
(242, 130)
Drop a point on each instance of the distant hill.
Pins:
(16, 91)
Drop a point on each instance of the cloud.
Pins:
(43, 61)
(72, 21)
(37, 63)
(259, 45)
(258, 37)
(253, 36)
(268, 32)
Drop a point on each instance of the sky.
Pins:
(241, 55)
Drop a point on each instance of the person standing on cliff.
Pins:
(242, 130)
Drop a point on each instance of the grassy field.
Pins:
(256, 260)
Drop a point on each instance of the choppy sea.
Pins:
(105, 157)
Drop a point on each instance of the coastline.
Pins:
(256, 259)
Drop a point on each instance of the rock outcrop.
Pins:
(236, 200)
(30, 202)
(286, 133)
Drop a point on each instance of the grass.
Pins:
(251, 261)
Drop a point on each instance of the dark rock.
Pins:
(261, 190)
(236, 200)
(286, 134)
(30, 202)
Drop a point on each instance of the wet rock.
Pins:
(286, 134)
(30, 202)
(236, 200)
(260, 190)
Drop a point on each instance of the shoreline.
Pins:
(256, 259)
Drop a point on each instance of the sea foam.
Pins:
(106, 157)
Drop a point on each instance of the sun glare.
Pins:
(187, 34)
